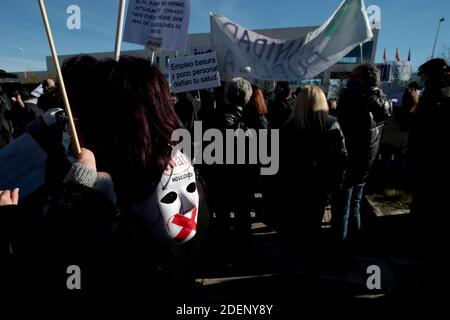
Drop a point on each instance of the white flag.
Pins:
(242, 52)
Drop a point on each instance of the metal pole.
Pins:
(118, 43)
(437, 34)
(361, 52)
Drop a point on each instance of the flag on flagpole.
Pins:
(397, 55)
(384, 56)
(409, 55)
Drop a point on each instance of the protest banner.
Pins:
(194, 72)
(23, 165)
(242, 52)
(39, 91)
(158, 24)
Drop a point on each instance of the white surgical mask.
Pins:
(170, 214)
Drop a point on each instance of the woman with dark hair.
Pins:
(130, 197)
(126, 119)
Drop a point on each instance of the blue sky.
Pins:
(405, 24)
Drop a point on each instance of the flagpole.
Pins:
(73, 132)
(119, 32)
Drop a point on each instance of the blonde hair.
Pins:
(311, 108)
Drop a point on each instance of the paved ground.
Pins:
(250, 274)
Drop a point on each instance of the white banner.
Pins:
(242, 52)
(158, 24)
(402, 70)
(194, 72)
(395, 71)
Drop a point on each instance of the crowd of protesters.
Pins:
(87, 212)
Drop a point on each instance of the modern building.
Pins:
(200, 43)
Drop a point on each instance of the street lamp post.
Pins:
(437, 33)
(24, 62)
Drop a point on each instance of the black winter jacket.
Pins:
(313, 157)
(361, 114)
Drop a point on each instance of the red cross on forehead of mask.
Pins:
(188, 225)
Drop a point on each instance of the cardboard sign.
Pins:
(194, 72)
(158, 24)
(22, 165)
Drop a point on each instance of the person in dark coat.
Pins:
(312, 164)
(187, 108)
(429, 160)
(234, 193)
(21, 114)
(50, 98)
(361, 112)
(281, 107)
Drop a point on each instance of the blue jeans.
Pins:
(349, 209)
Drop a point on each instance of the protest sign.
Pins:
(385, 72)
(23, 165)
(39, 91)
(395, 71)
(242, 52)
(402, 70)
(158, 24)
(194, 72)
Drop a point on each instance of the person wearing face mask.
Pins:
(361, 112)
(429, 159)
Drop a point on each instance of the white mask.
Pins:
(170, 214)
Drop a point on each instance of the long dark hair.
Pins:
(126, 116)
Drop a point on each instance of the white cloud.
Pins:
(11, 64)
